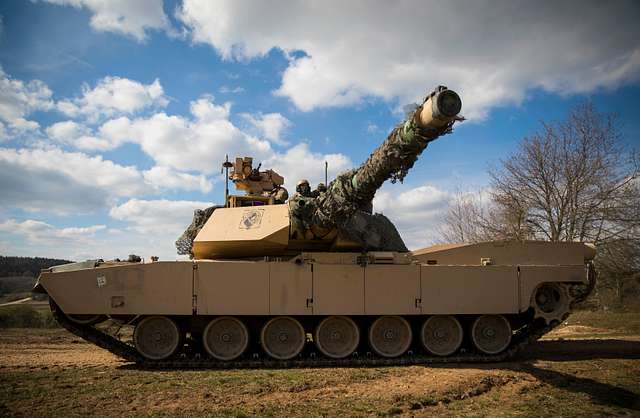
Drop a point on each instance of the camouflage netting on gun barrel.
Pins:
(354, 190)
(184, 244)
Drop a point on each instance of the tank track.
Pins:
(529, 333)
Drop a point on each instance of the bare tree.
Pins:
(462, 222)
(572, 181)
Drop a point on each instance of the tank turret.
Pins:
(260, 188)
(338, 218)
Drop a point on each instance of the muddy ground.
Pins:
(589, 367)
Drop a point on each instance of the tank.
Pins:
(320, 279)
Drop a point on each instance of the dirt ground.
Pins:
(589, 367)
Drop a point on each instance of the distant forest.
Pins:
(26, 266)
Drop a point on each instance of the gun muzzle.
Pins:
(440, 108)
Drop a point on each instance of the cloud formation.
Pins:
(198, 143)
(270, 126)
(163, 178)
(300, 162)
(157, 216)
(53, 180)
(417, 212)
(18, 99)
(397, 50)
(42, 232)
(114, 96)
(130, 18)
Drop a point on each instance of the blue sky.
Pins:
(115, 116)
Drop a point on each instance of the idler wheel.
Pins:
(156, 337)
(86, 319)
(390, 336)
(491, 334)
(441, 335)
(225, 338)
(282, 337)
(337, 336)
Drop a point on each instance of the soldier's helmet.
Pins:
(303, 187)
(321, 187)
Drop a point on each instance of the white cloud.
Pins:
(114, 96)
(41, 239)
(166, 178)
(372, 128)
(132, 18)
(492, 52)
(53, 180)
(38, 231)
(231, 90)
(188, 144)
(165, 217)
(152, 226)
(270, 126)
(300, 162)
(417, 212)
(19, 99)
(79, 136)
(5, 247)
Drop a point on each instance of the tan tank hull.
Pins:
(495, 279)
(337, 283)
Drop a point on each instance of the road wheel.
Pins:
(441, 335)
(337, 336)
(491, 334)
(282, 337)
(225, 338)
(156, 337)
(390, 336)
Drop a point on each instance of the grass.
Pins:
(27, 316)
(53, 374)
(622, 322)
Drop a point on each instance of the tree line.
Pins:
(572, 180)
(26, 266)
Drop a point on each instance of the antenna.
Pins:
(225, 167)
(326, 171)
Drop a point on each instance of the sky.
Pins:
(115, 116)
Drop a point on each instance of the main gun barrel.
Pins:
(391, 160)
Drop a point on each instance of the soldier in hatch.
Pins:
(319, 190)
(303, 189)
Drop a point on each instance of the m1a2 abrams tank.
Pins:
(321, 280)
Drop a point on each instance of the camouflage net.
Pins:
(374, 232)
(184, 244)
(354, 190)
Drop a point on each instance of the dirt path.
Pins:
(16, 302)
(574, 372)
